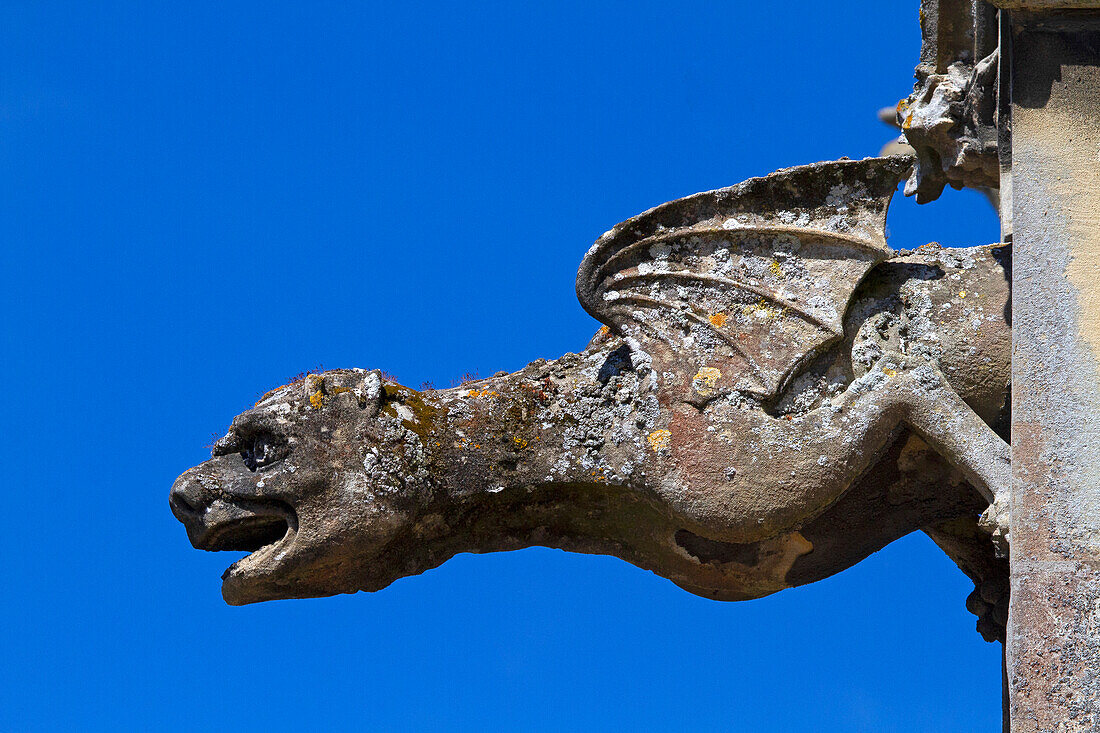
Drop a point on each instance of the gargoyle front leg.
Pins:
(940, 416)
(925, 402)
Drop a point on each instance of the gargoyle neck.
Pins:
(572, 428)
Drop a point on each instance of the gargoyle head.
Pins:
(313, 481)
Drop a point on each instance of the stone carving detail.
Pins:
(950, 119)
(774, 396)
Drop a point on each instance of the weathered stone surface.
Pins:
(1053, 649)
(775, 395)
(1046, 5)
(950, 118)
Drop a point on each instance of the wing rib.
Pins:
(691, 315)
(729, 282)
(739, 231)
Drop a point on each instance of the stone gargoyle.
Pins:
(775, 395)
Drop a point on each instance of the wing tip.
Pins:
(798, 187)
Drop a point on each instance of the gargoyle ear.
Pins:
(371, 392)
(363, 388)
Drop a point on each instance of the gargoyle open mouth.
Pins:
(248, 533)
(261, 530)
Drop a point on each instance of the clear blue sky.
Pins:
(201, 199)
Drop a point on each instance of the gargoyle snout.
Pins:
(184, 498)
(190, 497)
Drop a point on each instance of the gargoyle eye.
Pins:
(261, 450)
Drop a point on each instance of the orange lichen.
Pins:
(707, 377)
(717, 319)
(317, 397)
(903, 105)
(659, 440)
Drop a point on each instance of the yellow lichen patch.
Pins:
(776, 269)
(659, 440)
(717, 319)
(903, 105)
(316, 400)
(890, 372)
(962, 293)
(519, 442)
(482, 393)
(707, 377)
(763, 308)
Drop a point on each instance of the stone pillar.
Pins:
(1053, 640)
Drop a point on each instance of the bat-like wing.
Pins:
(742, 285)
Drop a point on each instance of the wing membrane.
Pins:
(745, 282)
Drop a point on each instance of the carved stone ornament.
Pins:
(950, 119)
(775, 394)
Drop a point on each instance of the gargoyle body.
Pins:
(774, 396)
